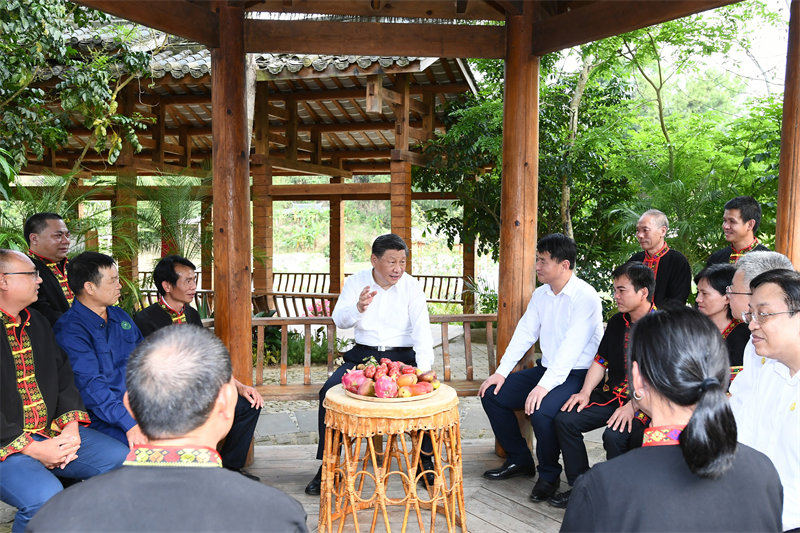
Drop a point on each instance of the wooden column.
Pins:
(231, 189)
(468, 257)
(291, 130)
(262, 201)
(400, 188)
(787, 238)
(124, 227)
(206, 243)
(336, 258)
(520, 176)
(159, 129)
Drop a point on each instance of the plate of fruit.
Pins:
(389, 381)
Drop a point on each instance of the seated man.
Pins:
(740, 222)
(176, 282)
(181, 391)
(768, 411)
(40, 408)
(670, 268)
(48, 240)
(389, 313)
(606, 402)
(98, 337)
(566, 316)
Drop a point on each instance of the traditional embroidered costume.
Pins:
(672, 272)
(731, 255)
(736, 336)
(55, 296)
(160, 315)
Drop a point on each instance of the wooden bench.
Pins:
(309, 390)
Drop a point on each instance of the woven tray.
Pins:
(390, 400)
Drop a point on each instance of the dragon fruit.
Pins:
(385, 387)
(353, 379)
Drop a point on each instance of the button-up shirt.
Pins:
(397, 316)
(768, 419)
(98, 352)
(568, 326)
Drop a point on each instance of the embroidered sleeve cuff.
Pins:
(15, 446)
(81, 417)
(601, 361)
(643, 418)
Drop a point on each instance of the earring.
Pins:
(638, 396)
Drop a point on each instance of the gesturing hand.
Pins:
(365, 298)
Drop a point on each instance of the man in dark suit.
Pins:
(48, 241)
(181, 391)
(176, 281)
(740, 222)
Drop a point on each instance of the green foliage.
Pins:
(296, 346)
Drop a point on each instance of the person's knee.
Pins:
(542, 421)
(566, 422)
(45, 489)
(614, 439)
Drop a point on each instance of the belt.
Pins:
(384, 348)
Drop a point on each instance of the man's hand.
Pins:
(135, 436)
(58, 451)
(365, 298)
(579, 400)
(622, 418)
(250, 394)
(71, 434)
(535, 398)
(495, 379)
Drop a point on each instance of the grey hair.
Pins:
(755, 263)
(174, 377)
(7, 255)
(658, 217)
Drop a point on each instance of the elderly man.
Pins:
(670, 267)
(40, 408)
(98, 337)
(48, 240)
(740, 222)
(768, 411)
(181, 391)
(389, 313)
(176, 281)
(566, 317)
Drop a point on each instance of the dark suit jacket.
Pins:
(153, 317)
(724, 255)
(673, 279)
(51, 303)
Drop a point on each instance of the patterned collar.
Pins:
(9, 320)
(730, 327)
(662, 436)
(737, 254)
(173, 456)
(59, 270)
(178, 317)
(651, 261)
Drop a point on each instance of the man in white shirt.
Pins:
(768, 411)
(389, 313)
(565, 316)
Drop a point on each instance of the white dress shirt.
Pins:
(568, 325)
(396, 317)
(767, 415)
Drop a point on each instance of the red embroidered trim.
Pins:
(173, 456)
(737, 254)
(59, 272)
(651, 261)
(177, 317)
(15, 446)
(662, 436)
(34, 410)
(80, 417)
(730, 327)
(735, 372)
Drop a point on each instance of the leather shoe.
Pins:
(426, 463)
(561, 499)
(544, 490)
(313, 487)
(509, 470)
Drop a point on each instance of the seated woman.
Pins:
(712, 301)
(690, 474)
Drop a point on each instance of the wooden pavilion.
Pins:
(518, 31)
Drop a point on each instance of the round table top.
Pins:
(444, 399)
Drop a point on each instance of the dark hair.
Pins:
(787, 280)
(641, 277)
(86, 267)
(719, 277)
(390, 241)
(560, 247)
(165, 271)
(173, 379)
(748, 208)
(681, 354)
(36, 223)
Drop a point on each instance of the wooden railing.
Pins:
(308, 389)
(299, 304)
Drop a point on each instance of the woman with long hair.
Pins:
(690, 474)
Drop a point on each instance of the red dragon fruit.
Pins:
(385, 387)
(353, 379)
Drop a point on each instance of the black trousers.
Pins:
(237, 442)
(571, 425)
(353, 357)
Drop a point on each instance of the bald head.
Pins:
(19, 281)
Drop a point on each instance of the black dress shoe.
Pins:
(426, 463)
(313, 487)
(561, 499)
(544, 490)
(509, 470)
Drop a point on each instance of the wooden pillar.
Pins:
(185, 140)
(206, 243)
(262, 201)
(231, 189)
(787, 238)
(336, 258)
(468, 257)
(518, 202)
(291, 130)
(124, 227)
(159, 129)
(400, 187)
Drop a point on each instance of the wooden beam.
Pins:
(475, 10)
(358, 92)
(301, 167)
(275, 111)
(373, 38)
(787, 238)
(374, 94)
(415, 158)
(605, 18)
(179, 17)
(328, 189)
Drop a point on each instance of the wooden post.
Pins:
(207, 238)
(336, 258)
(185, 140)
(518, 202)
(231, 189)
(400, 188)
(124, 245)
(262, 201)
(291, 130)
(158, 133)
(468, 256)
(787, 231)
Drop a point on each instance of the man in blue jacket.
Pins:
(98, 337)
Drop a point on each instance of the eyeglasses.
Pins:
(761, 318)
(729, 290)
(33, 273)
